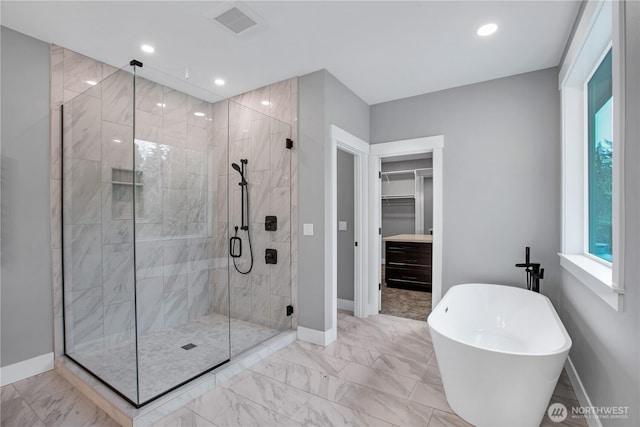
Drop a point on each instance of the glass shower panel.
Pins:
(98, 237)
(259, 225)
(180, 216)
(176, 231)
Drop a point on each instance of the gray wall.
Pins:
(399, 215)
(346, 239)
(606, 344)
(27, 314)
(322, 101)
(501, 165)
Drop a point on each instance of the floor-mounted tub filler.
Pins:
(500, 350)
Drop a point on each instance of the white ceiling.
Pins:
(382, 50)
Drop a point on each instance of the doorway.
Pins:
(433, 145)
(367, 272)
(406, 206)
(346, 242)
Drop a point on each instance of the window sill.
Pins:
(596, 276)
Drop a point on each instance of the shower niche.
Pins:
(151, 295)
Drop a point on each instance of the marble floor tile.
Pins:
(447, 419)
(184, 417)
(302, 384)
(351, 353)
(306, 356)
(319, 412)
(433, 361)
(419, 370)
(216, 402)
(14, 410)
(8, 392)
(70, 408)
(564, 389)
(387, 407)
(40, 386)
(271, 394)
(380, 380)
(226, 408)
(312, 381)
(353, 339)
(405, 347)
(430, 395)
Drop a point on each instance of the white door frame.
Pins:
(360, 150)
(435, 145)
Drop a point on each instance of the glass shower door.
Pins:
(260, 220)
(98, 237)
(178, 168)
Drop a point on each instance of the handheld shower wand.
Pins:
(244, 219)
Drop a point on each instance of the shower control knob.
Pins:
(271, 256)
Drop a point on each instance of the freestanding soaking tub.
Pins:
(500, 350)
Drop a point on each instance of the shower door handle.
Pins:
(235, 247)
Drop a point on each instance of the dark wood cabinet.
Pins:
(408, 265)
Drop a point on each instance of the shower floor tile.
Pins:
(163, 363)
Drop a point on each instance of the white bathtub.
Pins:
(500, 351)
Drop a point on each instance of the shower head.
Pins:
(236, 167)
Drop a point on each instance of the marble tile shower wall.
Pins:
(262, 295)
(183, 210)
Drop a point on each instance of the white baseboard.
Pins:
(345, 304)
(323, 338)
(581, 393)
(27, 368)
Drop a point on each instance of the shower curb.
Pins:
(128, 416)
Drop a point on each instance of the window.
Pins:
(600, 159)
(591, 83)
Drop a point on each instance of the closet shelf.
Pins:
(398, 196)
(402, 172)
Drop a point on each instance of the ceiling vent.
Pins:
(235, 20)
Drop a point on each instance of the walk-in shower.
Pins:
(147, 194)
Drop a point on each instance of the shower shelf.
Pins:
(138, 184)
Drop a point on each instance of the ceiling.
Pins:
(382, 50)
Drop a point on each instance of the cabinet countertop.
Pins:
(414, 238)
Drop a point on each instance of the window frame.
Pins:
(600, 28)
(586, 141)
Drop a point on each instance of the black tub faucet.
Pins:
(534, 272)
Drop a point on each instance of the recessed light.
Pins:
(198, 114)
(487, 30)
(117, 140)
(161, 105)
(245, 130)
(265, 102)
(91, 82)
(147, 48)
(219, 82)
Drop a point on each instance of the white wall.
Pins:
(606, 343)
